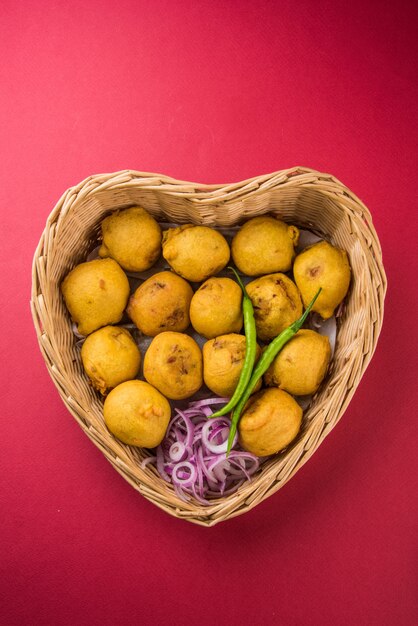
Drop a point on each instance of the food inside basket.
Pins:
(171, 334)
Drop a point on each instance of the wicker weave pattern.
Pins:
(299, 195)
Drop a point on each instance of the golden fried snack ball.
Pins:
(110, 356)
(96, 293)
(301, 365)
(270, 422)
(195, 252)
(223, 359)
(216, 308)
(161, 303)
(264, 245)
(173, 364)
(137, 414)
(132, 237)
(277, 304)
(322, 265)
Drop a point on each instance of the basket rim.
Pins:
(198, 191)
(207, 189)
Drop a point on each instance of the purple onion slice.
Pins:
(192, 456)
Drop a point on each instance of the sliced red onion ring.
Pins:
(209, 428)
(227, 491)
(160, 464)
(148, 460)
(181, 494)
(189, 428)
(178, 452)
(197, 404)
(184, 474)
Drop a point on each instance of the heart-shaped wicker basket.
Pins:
(299, 195)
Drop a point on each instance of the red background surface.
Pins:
(213, 92)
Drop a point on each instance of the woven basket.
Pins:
(299, 195)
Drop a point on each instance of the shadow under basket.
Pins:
(300, 196)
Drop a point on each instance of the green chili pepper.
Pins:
(250, 350)
(264, 363)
